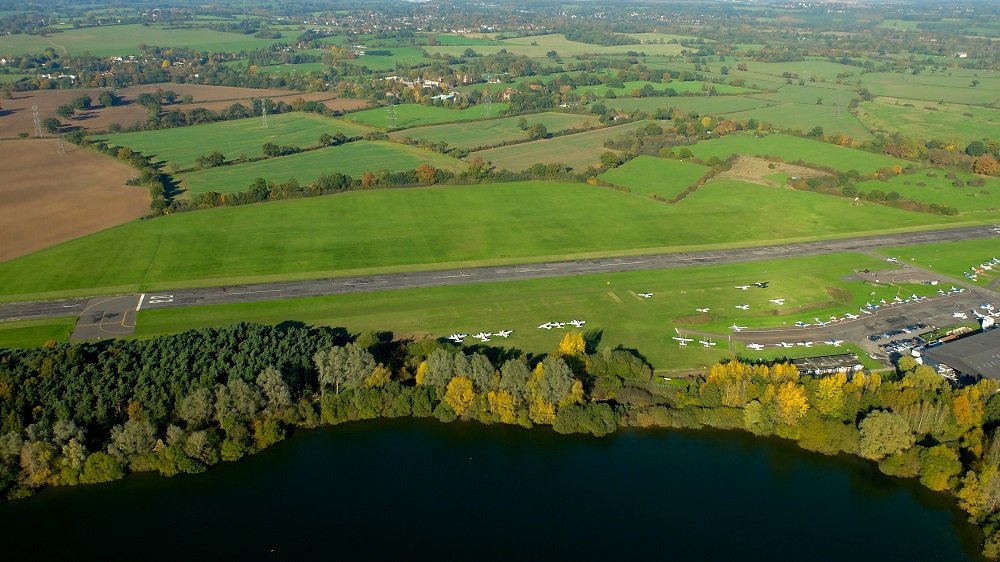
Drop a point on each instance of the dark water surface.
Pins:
(421, 490)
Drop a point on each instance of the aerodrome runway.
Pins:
(394, 281)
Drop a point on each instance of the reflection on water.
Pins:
(417, 489)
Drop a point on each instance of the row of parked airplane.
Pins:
(481, 336)
(550, 325)
(983, 268)
(760, 346)
(991, 311)
(758, 284)
(684, 341)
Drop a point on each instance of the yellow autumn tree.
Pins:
(829, 399)
(379, 377)
(459, 394)
(502, 405)
(784, 372)
(541, 410)
(572, 345)
(790, 403)
(421, 372)
(968, 407)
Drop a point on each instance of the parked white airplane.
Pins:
(866, 311)
(736, 328)
(577, 323)
(961, 315)
(558, 325)
(762, 284)
(805, 343)
(504, 333)
(706, 343)
(743, 287)
(801, 324)
(743, 306)
(457, 338)
(778, 302)
(546, 326)
(678, 338)
(702, 309)
(834, 343)
(755, 346)
(897, 299)
(785, 345)
(646, 295)
(978, 314)
(850, 316)
(482, 336)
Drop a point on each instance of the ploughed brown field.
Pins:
(16, 116)
(47, 198)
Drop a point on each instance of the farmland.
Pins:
(608, 302)
(40, 208)
(924, 120)
(124, 40)
(470, 135)
(352, 159)
(411, 115)
(690, 87)
(180, 147)
(646, 175)
(445, 226)
(576, 151)
(936, 87)
(792, 149)
(714, 105)
(935, 186)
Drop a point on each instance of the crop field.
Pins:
(399, 229)
(811, 94)
(936, 87)
(608, 302)
(647, 175)
(688, 87)
(952, 258)
(303, 68)
(16, 116)
(537, 46)
(412, 115)
(125, 40)
(180, 147)
(47, 198)
(352, 159)
(792, 149)
(927, 120)
(576, 151)
(703, 105)
(452, 40)
(804, 117)
(470, 135)
(932, 186)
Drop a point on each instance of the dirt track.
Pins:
(16, 116)
(47, 198)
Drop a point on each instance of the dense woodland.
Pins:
(88, 413)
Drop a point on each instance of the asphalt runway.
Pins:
(107, 317)
(393, 281)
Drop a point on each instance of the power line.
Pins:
(38, 122)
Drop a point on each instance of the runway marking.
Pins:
(453, 276)
(142, 297)
(534, 270)
(255, 292)
(620, 263)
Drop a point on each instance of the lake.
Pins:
(422, 490)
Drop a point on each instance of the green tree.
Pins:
(884, 433)
(101, 467)
(343, 367)
(939, 467)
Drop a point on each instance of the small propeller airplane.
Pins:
(702, 309)
(743, 287)
(646, 295)
(736, 328)
(961, 315)
(762, 284)
(482, 336)
(577, 323)
(457, 338)
(834, 343)
(546, 326)
(786, 345)
(504, 333)
(755, 346)
(706, 343)
(743, 306)
(805, 343)
(850, 316)
(779, 302)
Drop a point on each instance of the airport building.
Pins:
(828, 364)
(976, 356)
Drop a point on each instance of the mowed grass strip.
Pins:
(404, 229)
(35, 333)
(352, 159)
(648, 175)
(181, 146)
(792, 149)
(411, 115)
(932, 186)
(608, 302)
(469, 135)
(576, 151)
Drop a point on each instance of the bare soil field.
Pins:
(16, 115)
(757, 170)
(47, 198)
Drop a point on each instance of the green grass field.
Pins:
(536, 46)
(689, 87)
(703, 105)
(939, 189)
(928, 120)
(35, 333)
(453, 39)
(833, 119)
(405, 229)
(181, 146)
(352, 159)
(608, 302)
(952, 86)
(646, 175)
(411, 115)
(576, 151)
(407, 56)
(792, 149)
(952, 258)
(470, 135)
(125, 40)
